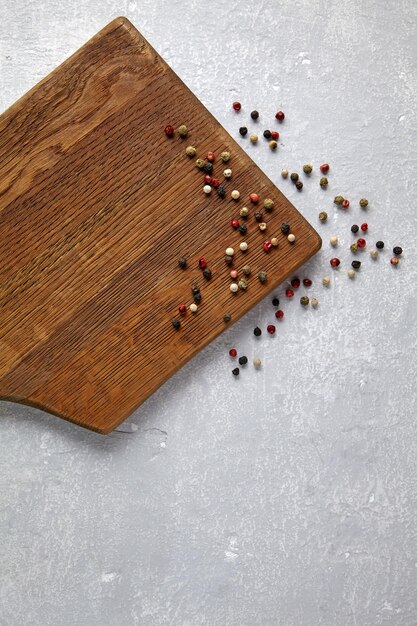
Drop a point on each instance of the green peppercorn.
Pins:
(324, 182)
(268, 204)
(354, 247)
(304, 300)
(225, 156)
(363, 203)
(190, 151)
(244, 212)
(200, 163)
(182, 262)
(227, 318)
(323, 216)
(262, 277)
(294, 177)
(182, 131)
(299, 185)
(307, 169)
(246, 270)
(285, 229)
(338, 199)
(356, 265)
(242, 284)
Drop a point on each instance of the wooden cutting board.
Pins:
(96, 207)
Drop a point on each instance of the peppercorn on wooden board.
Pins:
(96, 206)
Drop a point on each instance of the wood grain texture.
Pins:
(96, 206)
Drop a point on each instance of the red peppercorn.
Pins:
(254, 198)
(202, 263)
(334, 262)
(307, 282)
(280, 116)
(345, 204)
(208, 179)
(394, 260)
(215, 183)
(295, 283)
(271, 329)
(279, 314)
(324, 168)
(274, 135)
(235, 223)
(233, 352)
(211, 157)
(237, 106)
(364, 227)
(182, 309)
(289, 293)
(361, 243)
(267, 245)
(169, 130)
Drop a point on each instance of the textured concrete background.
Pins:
(287, 497)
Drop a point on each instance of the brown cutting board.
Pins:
(96, 206)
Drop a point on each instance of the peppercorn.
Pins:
(361, 243)
(267, 245)
(363, 203)
(271, 329)
(182, 131)
(285, 229)
(262, 226)
(193, 308)
(207, 189)
(356, 265)
(262, 277)
(228, 259)
(235, 195)
(233, 353)
(374, 253)
(395, 260)
(279, 314)
(354, 247)
(230, 251)
(182, 309)
(280, 116)
(275, 301)
(291, 238)
(289, 293)
(274, 135)
(202, 263)
(284, 173)
(324, 182)
(169, 130)
(235, 223)
(190, 151)
(211, 156)
(242, 284)
(208, 179)
(304, 300)
(208, 167)
(326, 281)
(243, 246)
(207, 273)
(324, 168)
(345, 204)
(254, 115)
(257, 363)
(354, 228)
(236, 106)
(307, 169)
(243, 229)
(253, 138)
(274, 242)
(195, 289)
(225, 156)
(299, 185)
(257, 331)
(235, 371)
(244, 212)
(258, 215)
(294, 177)
(379, 245)
(338, 199)
(234, 288)
(234, 274)
(176, 324)
(334, 241)
(268, 204)
(197, 298)
(267, 134)
(397, 251)
(295, 282)
(254, 198)
(307, 282)
(227, 318)
(221, 191)
(323, 216)
(200, 163)
(273, 144)
(243, 131)
(364, 227)
(334, 262)
(215, 183)
(351, 273)
(246, 270)
(314, 303)
(243, 360)
(182, 262)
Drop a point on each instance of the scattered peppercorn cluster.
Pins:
(271, 136)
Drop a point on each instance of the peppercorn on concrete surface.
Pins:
(286, 495)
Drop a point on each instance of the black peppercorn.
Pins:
(254, 115)
(354, 228)
(195, 289)
(258, 215)
(208, 168)
(294, 177)
(275, 302)
(243, 229)
(207, 273)
(227, 318)
(299, 185)
(243, 360)
(356, 265)
(221, 191)
(176, 324)
(182, 262)
(235, 372)
(285, 229)
(228, 259)
(243, 131)
(397, 250)
(379, 245)
(267, 134)
(257, 331)
(197, 298)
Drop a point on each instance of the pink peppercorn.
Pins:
(233, 352)
(235, 223)
(279, 314)
(254, 198)
(169, 130)
(361, 242)
(267, 245)
(289, 293)
(280, 116)
(215, 183)
(274, 135)
(237, 106)
(324, 168)
(182, 309)
(364, 227)
(395, 260)
(307, 282)
(271, 329)
(202, 263)
(208, 179)
(211, 157)
(345, 204)
(334, 262)
(295, 283)
(233, 273)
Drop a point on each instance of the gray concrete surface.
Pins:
(287, 497)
